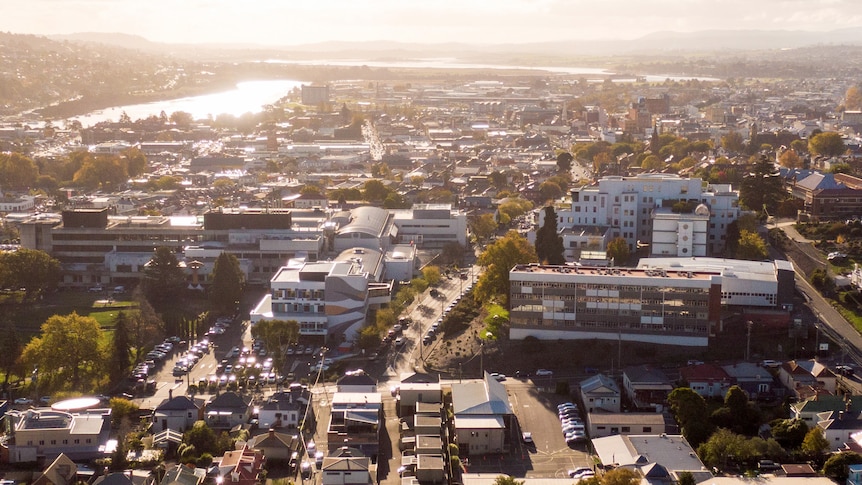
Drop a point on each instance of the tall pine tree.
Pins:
(226, 289)
(121, 357)
(549, 244)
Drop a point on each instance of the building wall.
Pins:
(480, 441)
(616, 304)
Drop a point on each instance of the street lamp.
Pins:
(748, 324)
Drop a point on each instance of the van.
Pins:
(119, 289)
(294, 460)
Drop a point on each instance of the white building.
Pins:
(431, 225)
(678, 234)
(629, 205)
(326, 297)
(743, 283)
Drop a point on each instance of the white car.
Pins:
(527, 437)
(23, 401)
(578, 471)
(498, 377)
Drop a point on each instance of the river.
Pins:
(246, 97)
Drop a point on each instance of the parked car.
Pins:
(544, 373)
(527, 437)
(23, 401)
(305, 470)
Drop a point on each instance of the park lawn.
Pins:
(66, 302)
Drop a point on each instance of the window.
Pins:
(627, 429)
(647, 429)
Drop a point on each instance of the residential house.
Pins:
(810, 409)
(855, 475)
(284, 408)
(708, 380)
(418, 388)
(177, 413)
(607, 424)
(274, 445)
(228, 410)
(356, 381)
(355, 421)
(600, 393)
(63, 471)
(347, 470)
(184, 475)
(242, 467)
(646, 387)
(44, 434)
(430, 468)
(838, 427)
(805, 378)
(643, 452)
(483, 415)
(754, 379)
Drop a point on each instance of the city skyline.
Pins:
(273, 22)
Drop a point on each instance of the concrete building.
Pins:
(609, 424)
(483, 416)
(327, 297)
(431, 226)
(629, 205)
(627, 304)
(43, 434)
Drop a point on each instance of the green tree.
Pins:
(31, 269)
(515, 207)
(721, 446)
(10, 350)
(549, 190)
(136, 161)
(652, 163)
(497, 259)
(205, 440)
(762, 187)
(685, 478)
(122, 409)
(17, 171)
(618, 250)
(68, 347)
(431, 274)
(507, 480)
(789, 432)
(498, 180)
(276, 334)
(483, 226)
(164, 279)
(452, 253)
(827, 144)
(121, 357)
(564, 161)
(227, 283)
(549, 244)
(375, 191)
(689, 409)
(751, 246)
(837, 466)
(815, 443)
(101, 172)
(799, 146)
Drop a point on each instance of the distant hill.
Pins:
(656, 43)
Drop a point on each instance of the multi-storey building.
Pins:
(327, 297)
(95, 248)
(641, 305)
(44, 434)
(627, 207)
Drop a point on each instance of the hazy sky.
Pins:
(429, 21)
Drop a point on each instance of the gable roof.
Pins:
(644, 374)
(599, 383)
(178, 403)
(827, 402)
(703, 372)
(183, 475)
(272, 439)
(61, 471)
(230, 400)
(486, 396)
(346, 463)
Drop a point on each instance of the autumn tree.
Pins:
(549, 243)
(431, 274)
(827, 144)
(751, 247)
(733, 142)
(374, 190)
(275, 334)
(227, 282)
(101, 172)
(853, 98)
(483, 226)
(68, 348)
(620, 476)
(497, 259)
(652, 163)
(135, 160)
(790, 159)
(618, 250)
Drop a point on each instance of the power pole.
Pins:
(749, 324)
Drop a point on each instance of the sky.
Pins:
(292, 22)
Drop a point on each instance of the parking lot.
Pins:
(549, 456)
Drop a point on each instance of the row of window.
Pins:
(667, 327)
(65, 442)
(298, 308)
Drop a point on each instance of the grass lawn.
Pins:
(65, 302)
